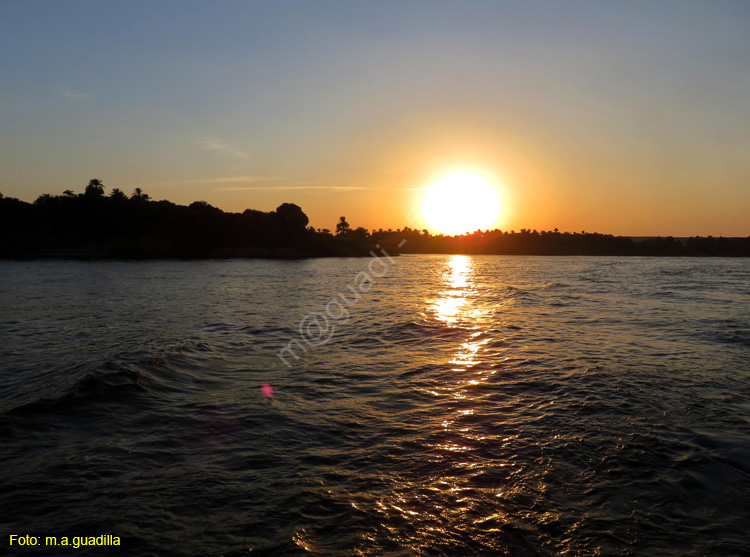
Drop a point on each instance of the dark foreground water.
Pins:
(469, 406)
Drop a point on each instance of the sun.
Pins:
(460, 203)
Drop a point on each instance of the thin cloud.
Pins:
(221, 146)
(220, 180)
(75, 96)
(339, 188)
(261, 183)
(311, 185)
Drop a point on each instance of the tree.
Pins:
(360, 233)
(94, 189)
(342, 227)
(204, 206)
(43, 199)
(291, 222)
(117, 193)
(69, 193)
(138, 194)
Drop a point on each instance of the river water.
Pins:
(466, 406)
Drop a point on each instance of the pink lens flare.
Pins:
(267, 390)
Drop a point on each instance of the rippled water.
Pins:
(469, 406)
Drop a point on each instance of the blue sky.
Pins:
(621, 117)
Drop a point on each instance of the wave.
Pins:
(414, 330)
(112, 382)
(122, 379)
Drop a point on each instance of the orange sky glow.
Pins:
(622, 118)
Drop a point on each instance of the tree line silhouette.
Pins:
(92, 225)
(533, 242)
(95, 225)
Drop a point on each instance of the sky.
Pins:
(629, 118)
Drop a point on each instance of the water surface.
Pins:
(469, 406)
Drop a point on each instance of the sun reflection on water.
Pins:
(450, 308)
(457, 307)
(467, 354)
(468, 469)
(462, 476)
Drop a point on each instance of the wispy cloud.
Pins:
(76, 96)
(307, 185)
(339, 188)
(220, 180)
(262, 183)
(215, 144)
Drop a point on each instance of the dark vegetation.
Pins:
(532, 242)
(93, 224)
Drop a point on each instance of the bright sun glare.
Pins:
(460, 203)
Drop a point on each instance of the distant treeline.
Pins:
(532, 242)
(94, 224)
